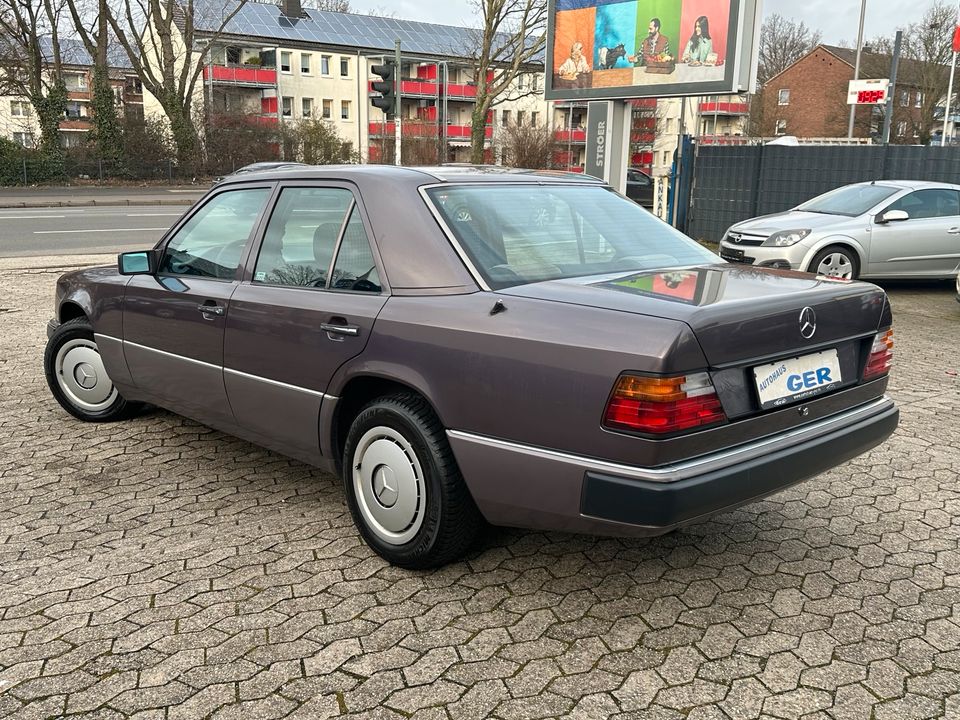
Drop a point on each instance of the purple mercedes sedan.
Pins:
(470, 345)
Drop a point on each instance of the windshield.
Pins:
(851, 200)
(517, 234)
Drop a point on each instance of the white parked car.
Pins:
(881, 229)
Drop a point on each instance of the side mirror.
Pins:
(142, 262)
(893, 216)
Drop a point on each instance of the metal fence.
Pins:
(34, 169)
(731, 184)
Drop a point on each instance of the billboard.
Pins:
(608, 49)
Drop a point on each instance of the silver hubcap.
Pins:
(389, 486)
(82, 377)
(836, 265)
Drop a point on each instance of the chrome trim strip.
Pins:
(172, 355)
(669, 473)
(471, 268)
(277, 383)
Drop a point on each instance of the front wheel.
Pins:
(403, 486)
(77, 377)
(837, 262)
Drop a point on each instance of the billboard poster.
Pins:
(608, 49)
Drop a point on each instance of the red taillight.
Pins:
(663, 405)
(881, 356)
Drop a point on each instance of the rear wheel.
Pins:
(403, 486)
(836, 261)
(77, 377)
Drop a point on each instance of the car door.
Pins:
(927, 243)
(306, 306)
(173, 321)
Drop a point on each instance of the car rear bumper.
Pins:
(525, 486)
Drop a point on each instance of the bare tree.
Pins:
(95, 36)
(160, 37)
(340, 6)
(527, 146)
(925, 56)
(31, 63)
(510, 38)
(782, 43)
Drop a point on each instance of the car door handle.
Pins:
(211, 309)
(953, 231)
(350, 330)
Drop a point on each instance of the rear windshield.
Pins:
(851, 200)
(516, 234)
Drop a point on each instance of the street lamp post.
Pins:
(856, 67)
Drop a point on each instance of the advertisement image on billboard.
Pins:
(605, 49)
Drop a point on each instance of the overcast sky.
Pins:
(836, 18)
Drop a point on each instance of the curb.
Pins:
(119, 202)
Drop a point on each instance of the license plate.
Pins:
(731, 254)
(796, 379)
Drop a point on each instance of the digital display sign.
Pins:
(867, 92)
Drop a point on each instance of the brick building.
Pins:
(809, 98)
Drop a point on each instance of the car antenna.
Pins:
(498, 307)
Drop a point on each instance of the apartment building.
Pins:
(18, 121)
(284, 63)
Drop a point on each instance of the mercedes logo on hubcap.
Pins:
(85, 376)
(385, 486)
(808, 323)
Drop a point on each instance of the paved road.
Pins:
(46, 231)
(160, 568)
(93, 195)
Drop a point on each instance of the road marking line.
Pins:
(30, 217)
(198, 191)
(63, 232)
(154, 214)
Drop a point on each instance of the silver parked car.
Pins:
(881, 229)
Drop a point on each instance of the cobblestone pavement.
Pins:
(158, 569)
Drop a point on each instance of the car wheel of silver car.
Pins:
(77, 377)
(836, 261)
(403, 486)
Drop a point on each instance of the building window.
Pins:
(919, 100)
(904, 98)
(23, 139)
(783, 98)
(521, 116)
(901, 128)
(327, 109)
(781, 127)
(73, 111)
(505, 118)
(75, 83)
(324, 64)
(285, 62)
(344, 109)
(305, 63)
(522, 81)
(344, 67)
(307, 107)
(288, 107)
(20, 108)
(537, 83)
(534, 119)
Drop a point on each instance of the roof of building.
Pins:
(876, 65)
(364, 32)
(72, 52)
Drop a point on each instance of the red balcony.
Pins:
(428, 88)
(421, 129)
(725, 108)
(241, 75)
(570, 136)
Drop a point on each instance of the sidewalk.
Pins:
(93, 196)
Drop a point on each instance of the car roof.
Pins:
(453, 173)
(912, 184)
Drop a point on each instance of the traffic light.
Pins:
(387, 87)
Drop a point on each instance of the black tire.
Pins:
(844, 257)
(441, 529)
(76, 336)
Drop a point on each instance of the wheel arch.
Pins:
(71, 310)
(840, 240)
(356, 392)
